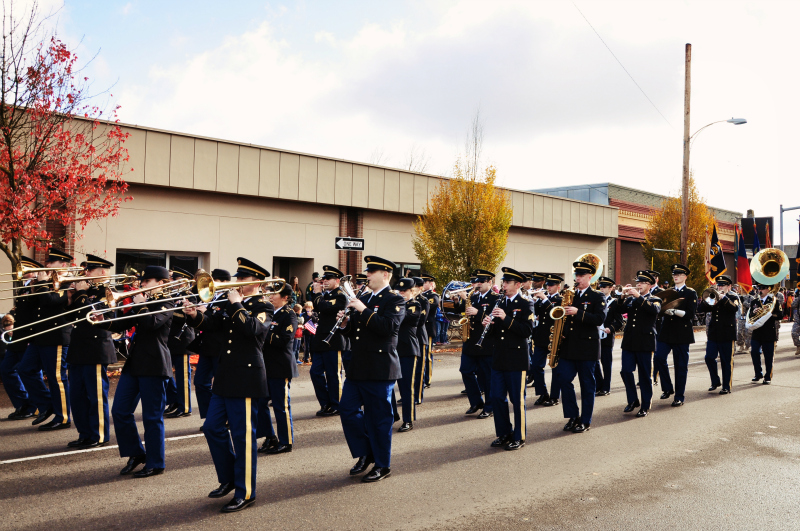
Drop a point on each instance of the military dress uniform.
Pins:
(476, 362)
(422, 337)
(91, 352)
(542, 324)
(281, 367)
(638, 345)
(721, 336)
(327, 374)
(655, 291)
(764, 337)
(430, 327)
(48, 353)
(676, 335)
(579, 353)
(208, 347)
(240, 382)
(144, 376)
(615, 322)
(409, 352)
(510, 365)
(181, 335)
(25, 313)
(373, 371)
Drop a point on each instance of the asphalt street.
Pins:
(717, 462)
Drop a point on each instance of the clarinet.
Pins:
(486, 328)
(345, 314)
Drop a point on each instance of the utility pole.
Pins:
(685, 199)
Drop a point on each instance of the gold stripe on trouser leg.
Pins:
(522, 407)
(339, 380)
(64, 411)
(413, 398)
(101, 420)
(185, 383)
(248, 454)
(430, 361)
(733, 347)
(421, 378)
(286, 408)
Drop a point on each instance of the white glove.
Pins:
(669, 312)
(679, 313)
(710, 301)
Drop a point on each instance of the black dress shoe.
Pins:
(501, 441)
(464, 392)
(485, 414)
(222, 490)
(407, 426)
(361, 465)
(642, 413)
(570, 424)
(147, 472)
(667, 394)
(550, 402)
(602, 393)
(170, 409)
(94, 444)
(269, 444)
(330, 412)
(322, 410)
(677, 403)
(179, 414)
(43, 416)
(757, 378)
(133, 462)
(766, 381)
(22, 415)
(397, 417)
(54, 425)
(725, 392)
(236, 504)
(474, 409)
(714, 387)
(78, 443)
(280, 449)
(580, 427)
(515, 445)
(541, 400)
(427, 386)
(376, 474)
(631, 407)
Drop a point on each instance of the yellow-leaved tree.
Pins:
(664, 232)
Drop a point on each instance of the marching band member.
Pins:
(655, 291)
(208, 347)
(765, 335)
(543, 303)
(534, 282)
(281, 367)
(144, 375)
(422, 337)
(476, 362)
(721, 334)
(429, 292)
(238, 385)
(24, 406)
(676, 335)
(639, 340)
(581, 349)
(511, 323)
(326, 358)
(179, 387)
(373, 371)
(409, 351)
(48, 352)
(91, 352)
(613, 323)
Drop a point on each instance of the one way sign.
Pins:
(346, 243)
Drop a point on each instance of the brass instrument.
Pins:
(556, 331)
(445, 301)
(56, 284)
(768, 267)
(597, 262)
(22, 270)
(346, 286)
(112, 297)
(713, 294)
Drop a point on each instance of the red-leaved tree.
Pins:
(58, 160)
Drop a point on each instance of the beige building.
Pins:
(201, 202)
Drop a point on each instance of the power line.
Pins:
(623, 66)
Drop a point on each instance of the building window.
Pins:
(138, 260)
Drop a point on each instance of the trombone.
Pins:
(22, 270)
(56, 282)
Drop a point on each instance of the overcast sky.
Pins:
(352, 79)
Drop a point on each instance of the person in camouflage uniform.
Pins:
(742, 334)
(796, 325)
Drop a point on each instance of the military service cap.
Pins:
(247, 268)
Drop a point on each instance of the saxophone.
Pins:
(558, 314)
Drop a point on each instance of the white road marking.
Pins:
(73, 452)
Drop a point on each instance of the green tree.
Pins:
(664, 232)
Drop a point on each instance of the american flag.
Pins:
(311, 327)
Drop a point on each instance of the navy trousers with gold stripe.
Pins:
(152, 392)
(368, 431)
(264, 424)
(408, 368)
(282, 408)
(12, 383)
(52, 360)
(723, 349)
(234, 454)
(428, 361)
(769, 354)
(565, 373)
(179, 388)
(88, 389)
(505, 385)
(327, 375)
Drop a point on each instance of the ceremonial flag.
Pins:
(715, 261)
(756, 245)
(743, 277)
(768, 243)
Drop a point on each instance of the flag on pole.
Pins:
(768, 242)
(756, 245)
(715, 260)
(743, 277)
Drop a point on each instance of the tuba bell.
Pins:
(768, 267)
(597, 262)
